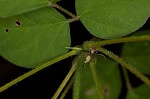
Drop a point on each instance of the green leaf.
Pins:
(53, 1)
(140, 92)
(112, 19)
(42, 35)
(14, 7)
(109, 76)
(138, 53)
(132, 95)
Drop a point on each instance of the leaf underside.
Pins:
(140, 92)
(110, 80)
(33, 38)
(109, 19)
(138, 53)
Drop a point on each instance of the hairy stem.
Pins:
(70, 73)
(20, 78)
(73, 19)
(62, 9)
(126, 65)
(96, 80)
(67, 89)
(77, 77)
(128, 84)
(121, 40)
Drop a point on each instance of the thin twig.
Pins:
(62, 9)
(128, 83)
(70, 73)
(67, 88)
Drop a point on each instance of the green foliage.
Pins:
(138, 53)
(104, 19)
(112, 19)
(36, 39)
(11, 7)
(32, 33)
(53, 1)
(110, 80)
(140, 92)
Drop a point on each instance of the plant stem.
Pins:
(73, 19)
(125, 73)
(70, 73)
(77, 77)
(20, 78)
(62, 9)
(126, 65)
(96, 80)
(67, 89)
(121, 40)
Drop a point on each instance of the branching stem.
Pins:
(92, 64)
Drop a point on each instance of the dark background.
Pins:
(43, 84)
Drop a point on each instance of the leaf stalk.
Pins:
(62, 9)
(96, 79)
(120, 40)
(24, 76)
(64, 82)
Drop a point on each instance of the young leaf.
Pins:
(109, 76)
(14, 7)
(34, 37)
(141, 92)
(138, 53)
(112, 19)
